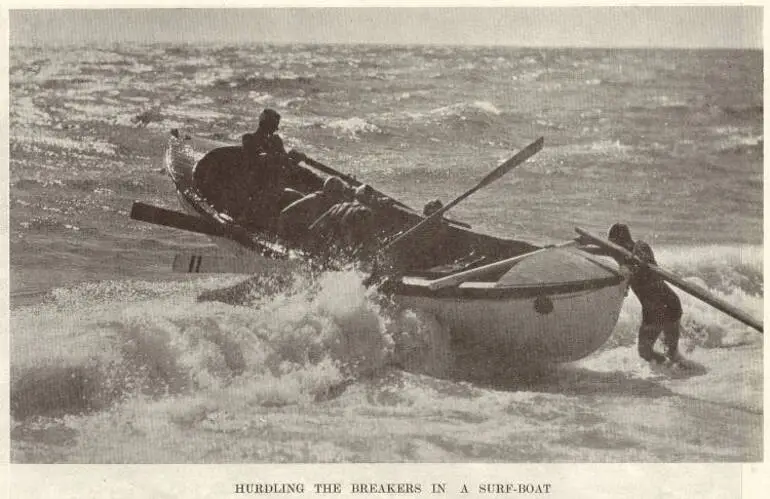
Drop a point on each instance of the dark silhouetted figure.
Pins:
(266, 139)
(661, 308)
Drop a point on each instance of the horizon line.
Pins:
(232, 43)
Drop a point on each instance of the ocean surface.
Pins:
(114, 360)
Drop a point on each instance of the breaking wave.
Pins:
(466, 110)
(115, 341)
(40, 143)
(466, 117)
(733, 274)
(351, 127)
(267, 82)
(283, 340)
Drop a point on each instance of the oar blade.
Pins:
(174, 219)
(498, 172)
(516, 160)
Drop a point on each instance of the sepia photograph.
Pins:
(302, 235)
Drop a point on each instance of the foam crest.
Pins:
(154, 340)
(39, 142)
(467, 108)
(730, 273)
(723, 268)
(352, 126)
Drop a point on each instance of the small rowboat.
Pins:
(530, 303)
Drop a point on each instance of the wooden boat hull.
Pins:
(555, 306)
(559, 327)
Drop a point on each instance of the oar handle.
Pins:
(688, 287)
(331, 171)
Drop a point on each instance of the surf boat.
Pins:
(527, 302)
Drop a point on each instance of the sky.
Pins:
(716, 26)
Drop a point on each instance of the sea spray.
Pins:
(731, 273)
(156, 340)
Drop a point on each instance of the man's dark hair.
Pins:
(619, 234)
(269, 116)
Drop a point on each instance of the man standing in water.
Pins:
(661, 308)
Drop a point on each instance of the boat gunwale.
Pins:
(509, 292)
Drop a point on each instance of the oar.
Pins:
(331, 171)
(352, 181)
(498, 172)
(461, 277)
(170, 218)
(677, 281)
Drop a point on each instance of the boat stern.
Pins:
(558, 305)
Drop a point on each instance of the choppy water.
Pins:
(114, 360)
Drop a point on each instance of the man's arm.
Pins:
(275, 144)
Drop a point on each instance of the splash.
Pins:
(731, 273)
(110, 342)
(726, 269)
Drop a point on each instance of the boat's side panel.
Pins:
(555, 328)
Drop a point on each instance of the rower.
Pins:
(265, 140)
(427, 249)
(349, 226)
(295, 219)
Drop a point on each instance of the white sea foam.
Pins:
(39, 141)
(75, 111)
(193, 113)
(461, 108)
(291, 102)
(260, 97)
(612, 148)
(210, 75)
(736, 137)
(286, 348)
(351, 126)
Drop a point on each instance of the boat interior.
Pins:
(253, 191)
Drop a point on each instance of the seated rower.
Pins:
(349, 227)
(295, 219)
(424, 249)
(264, 185)
(261, 180)
(432, 207)
(265, 140)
